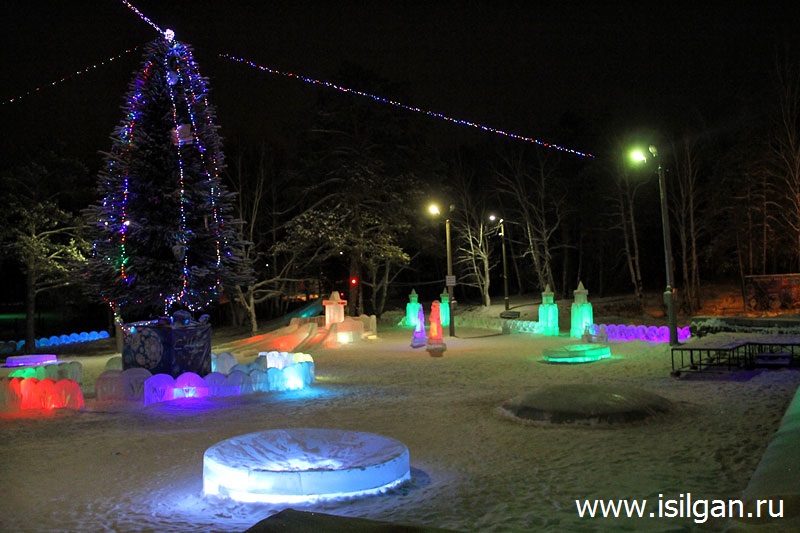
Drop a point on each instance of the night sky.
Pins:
(517, 66)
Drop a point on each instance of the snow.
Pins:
(120, 466)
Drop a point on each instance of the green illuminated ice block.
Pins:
(582, 315)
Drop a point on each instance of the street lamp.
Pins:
(669, 296)
(450, 280)
(505, 264)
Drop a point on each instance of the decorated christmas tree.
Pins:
(164, 238)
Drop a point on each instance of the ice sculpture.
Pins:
(623, 332)
(114, 363)
(334, 309)
(349, 330)
(548, 314)
(419, 338)
(159, 388)
(576, 353)
(31, 393)
(271, 371)
(110, 386)
(435, 345)
(222, 362)
(445, 308)
(133, 379)
(412, 310)
(31, 359)
(582, 315)
(304, 465)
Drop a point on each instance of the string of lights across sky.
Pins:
(330, 85)
(69, 76)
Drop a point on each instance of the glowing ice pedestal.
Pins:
(576, 353)
(31, 360)
(302, 465)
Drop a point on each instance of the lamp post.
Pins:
(669, 296)
(450, 279)
(505, 264)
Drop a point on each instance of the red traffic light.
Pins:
(353, 281)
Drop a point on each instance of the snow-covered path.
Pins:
(122, 467)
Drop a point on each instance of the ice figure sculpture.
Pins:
(412, 310)
(435, 345)
(304, 465)
(548, 314)
(582, 315)
(419, 338)
(334, 309)
(445, 308)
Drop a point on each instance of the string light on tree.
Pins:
(162, 238)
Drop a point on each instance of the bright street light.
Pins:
(433, 209)
(505, 265)
(669, 296)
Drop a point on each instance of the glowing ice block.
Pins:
(548, 313)
(334, 309)
(412, 310)
(582, 315)
(31, 359)
(445, 308)
(302, 465)
(576, 353)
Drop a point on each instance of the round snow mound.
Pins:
(304, 465)
(585, 405)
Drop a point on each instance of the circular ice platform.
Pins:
(300, 465)
(576, 353)
(585, 405)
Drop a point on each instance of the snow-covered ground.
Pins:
(124, 467)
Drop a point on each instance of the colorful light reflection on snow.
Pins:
(304, 465)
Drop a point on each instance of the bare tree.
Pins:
(539, 206)
(686, 206)
(470, 223)
(625, 206)
(784, 150)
